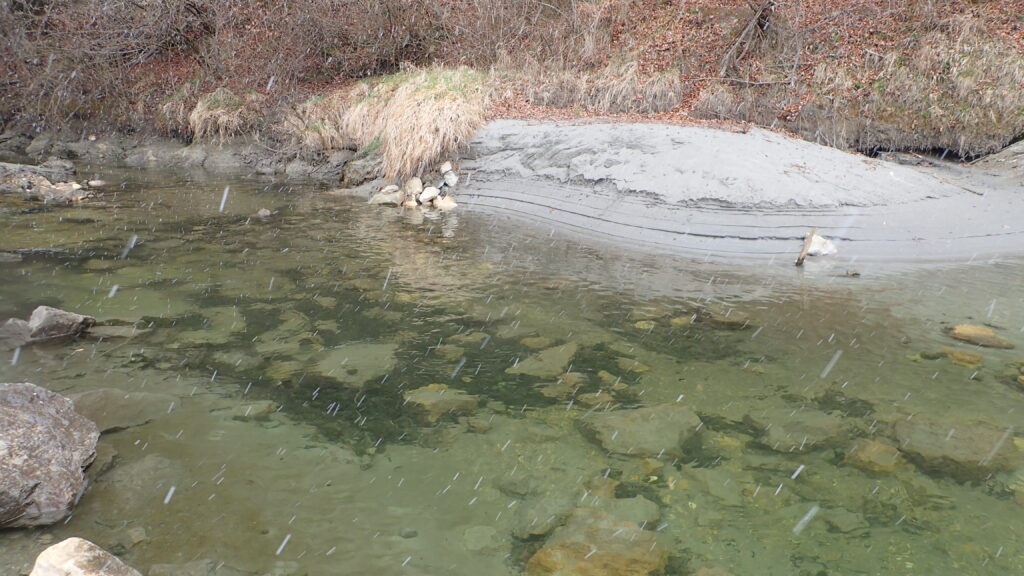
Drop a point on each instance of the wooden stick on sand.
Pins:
(807, 247)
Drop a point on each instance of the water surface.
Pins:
(287, 349)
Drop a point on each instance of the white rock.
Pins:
(445, 203)
(96, 183)
(821, 246)
(263, 213)
(429, 193)
(451, 178)
(78, 557)
(389, 189)
(446, 167)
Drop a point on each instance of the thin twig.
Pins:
(738, 81)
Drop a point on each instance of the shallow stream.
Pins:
(346, 389)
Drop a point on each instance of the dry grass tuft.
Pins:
(418, 117)
(221, 114)
(315, 126)
(617, 88)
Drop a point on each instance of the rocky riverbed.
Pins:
(341, 385)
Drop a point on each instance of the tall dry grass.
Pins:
(417, 117)
(618, 87)
(221, 114)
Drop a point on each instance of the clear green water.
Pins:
(319, 319)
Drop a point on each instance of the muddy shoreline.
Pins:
(694, 191)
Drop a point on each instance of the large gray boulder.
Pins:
(44, 449)
(78, 557)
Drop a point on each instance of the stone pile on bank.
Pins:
(413, 193)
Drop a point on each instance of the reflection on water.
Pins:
(344, 389)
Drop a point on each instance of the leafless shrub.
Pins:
(74, 58)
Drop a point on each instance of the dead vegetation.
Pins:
(617, 88)
(418, 117)
(865, 74)
(221, 114)
(949, 82)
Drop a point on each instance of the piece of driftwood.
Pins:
(807, 247)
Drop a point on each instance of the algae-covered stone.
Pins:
(539, 516)
(644, 325)
(681, 321)
(979, 336)
(965, 451)
(595, 398)
(638, 510)
(547, 363)
(536, 342)
(654, 431)
(786, 430)
(593, 543)
(356, 363)
(963, 358)
(218, 326)
(113, 409)
(433, 401)
(631, 365)
(450, 352)
(259, 410)
(874, 456)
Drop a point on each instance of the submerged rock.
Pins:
(874, 456)
(78, 557)
(963, 358)
(204, 567)
(113, 409)
(445, 203)
(117, 331)
(979, 336)
(44, 449)
(539, 516)
(388, 196)
(358, 362)
(546, 364)
(638, 510)
(962, 451)
(434, 401)
(536, 342)
(593, 543)
(786, 430)
(655, 431)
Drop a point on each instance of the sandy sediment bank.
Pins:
(752, 195)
